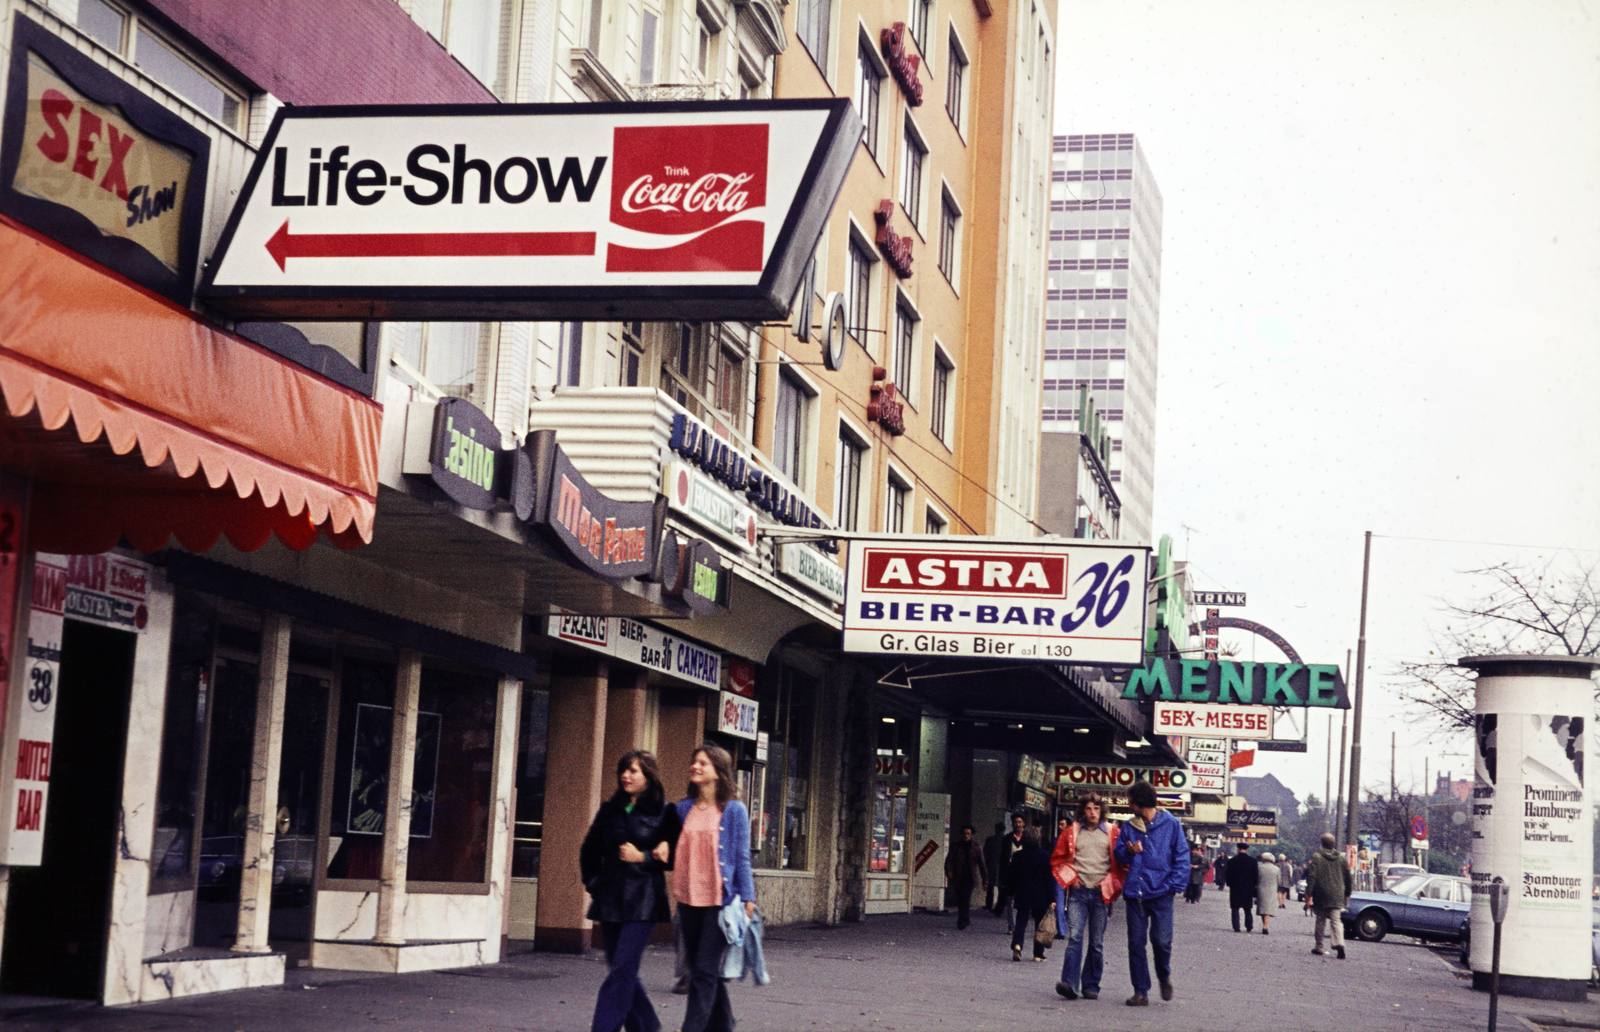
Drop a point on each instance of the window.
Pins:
(894, 508)
(109, 26)
(869, 88)
(939, 408)
(891, 793)
(858, 288)
(812, 24)
(471, 31)
(789, 427)
(955, 80)
(632, 354)
(847, 481)
(949, 224)
(781, 790)
(532, 750)
(569, 371)
(921, 15)
(702, 54)
(911, 184)
(647, 46)
(905, 333)
(444, 354)
(730, 383)
(933, 523)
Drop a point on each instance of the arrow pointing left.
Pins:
(285, 245)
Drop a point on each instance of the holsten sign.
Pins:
(1224, 681)
(708, 210)
(1034, 600)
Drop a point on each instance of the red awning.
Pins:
(178, 427)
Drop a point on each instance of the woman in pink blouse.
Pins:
(711, 868)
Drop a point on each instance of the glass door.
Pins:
(305, 719)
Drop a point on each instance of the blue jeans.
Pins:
(622, 1001)
(1086, 933)
(1149, 920)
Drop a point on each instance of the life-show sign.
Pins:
(1025, 600)
(1224, 681)
(705, 210)
(93, 163)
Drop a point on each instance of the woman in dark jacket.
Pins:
(1033, 889)
(622, 860)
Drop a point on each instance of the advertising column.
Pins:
(1532, 822)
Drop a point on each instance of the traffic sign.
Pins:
(1419, 827)
(710, 210)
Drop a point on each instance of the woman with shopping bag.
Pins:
(1033, 889)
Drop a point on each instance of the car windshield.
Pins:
(1410, 885)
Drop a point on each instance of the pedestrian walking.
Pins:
(1061, 893)
(1010, 845)
(1153, 849)
(1219, 868)
(622, 861)
(1285, 880)
(711, 872)
(964, 870)
(1083, 862)
(994, 863)
(1328, 890)
(1266, 889)
(1242, 875)
(1197, 875)
(1033, 892)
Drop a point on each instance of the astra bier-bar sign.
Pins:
(971, 596)
(1224, 681)
(707, 210)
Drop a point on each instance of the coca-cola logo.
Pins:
(699, 188)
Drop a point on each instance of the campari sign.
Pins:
(706, 210)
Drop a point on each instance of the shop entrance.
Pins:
(58, 914)
(305, 721)
(229, 749)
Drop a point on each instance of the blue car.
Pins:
(1435, 907)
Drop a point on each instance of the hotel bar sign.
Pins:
(1023, 600)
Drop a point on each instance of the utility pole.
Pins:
(1327, 779)
(1394, 788)
(1344, 726)
(1361, 669)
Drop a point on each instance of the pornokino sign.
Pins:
(709, 210)
(1169, 779)
(1026, 600)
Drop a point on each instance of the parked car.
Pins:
(1433, 907)
(1392, 873)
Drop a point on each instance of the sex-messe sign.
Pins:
(1224, 681)
(706, 210)
(1026, 600)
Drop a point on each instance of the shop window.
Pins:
(361, 768)
(452, 786)
(172, 854)
(782, 785)
(891, 794)
(532, 742)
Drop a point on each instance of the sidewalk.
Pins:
(901, 972)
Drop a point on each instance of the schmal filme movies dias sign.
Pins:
(967, 596)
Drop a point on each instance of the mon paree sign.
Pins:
(705, 210)
(1224, 681)
(611, 538)
(93, 163)
(1027, 600)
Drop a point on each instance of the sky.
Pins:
(1380, 309)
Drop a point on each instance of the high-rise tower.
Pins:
(1104, 306)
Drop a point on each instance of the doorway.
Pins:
(58, 914)
(305, 721)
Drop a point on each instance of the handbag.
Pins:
(1045, 934)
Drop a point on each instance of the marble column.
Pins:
(627, 719)
(508, 715)
(575, 782)
(261, 825)
(397, 811)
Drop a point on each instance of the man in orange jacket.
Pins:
(1084, 863)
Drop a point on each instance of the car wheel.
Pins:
(1372, 926)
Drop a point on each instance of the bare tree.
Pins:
(1529, 609)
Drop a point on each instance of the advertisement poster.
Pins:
(369, 771)
(33, 715)
(930, 835)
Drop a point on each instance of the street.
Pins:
(893, 972)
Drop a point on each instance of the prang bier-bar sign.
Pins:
(708, 210)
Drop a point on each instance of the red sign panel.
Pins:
(966, 573)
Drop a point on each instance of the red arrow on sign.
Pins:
(285, 245)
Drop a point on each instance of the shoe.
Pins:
(1264, 930)
(1016, 954)
(1090, 994)
(961, 925)
(1319, 953)
(681, 987)
(1338, 951)
(1065, 990)
(1059, 937)
(1038, 960)
(1166, 990)
(1137, 1000)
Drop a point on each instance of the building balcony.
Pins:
(673, 91)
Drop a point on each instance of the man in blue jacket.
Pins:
(1153, 849)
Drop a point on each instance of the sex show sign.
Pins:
(708, 210)
(1023, 600)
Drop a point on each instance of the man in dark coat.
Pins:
(964, 869)
(993, 862)
(1243, 875)
(1220, 865)
(1327, 891)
